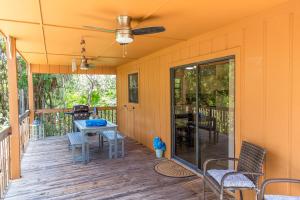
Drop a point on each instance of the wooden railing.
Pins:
(56, 122)
(24, 131)
(5, 150)
(4, 160)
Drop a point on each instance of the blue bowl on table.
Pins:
(95, 122)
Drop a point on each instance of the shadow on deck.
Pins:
(48, 173)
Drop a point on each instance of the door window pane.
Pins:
(133, 88)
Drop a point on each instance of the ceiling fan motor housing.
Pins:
(124, 33)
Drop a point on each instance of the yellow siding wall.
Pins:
(268, 86)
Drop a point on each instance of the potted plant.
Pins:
(159, 147)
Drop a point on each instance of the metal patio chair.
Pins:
(264, 196)
(245, 177)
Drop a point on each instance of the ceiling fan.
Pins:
(84, 64)
(124, 32)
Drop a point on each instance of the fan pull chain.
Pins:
(124, 50)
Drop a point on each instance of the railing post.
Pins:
(13, 107)
(30, 94)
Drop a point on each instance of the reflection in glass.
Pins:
(216, 111)
(185, 85)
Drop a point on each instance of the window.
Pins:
(133, 88)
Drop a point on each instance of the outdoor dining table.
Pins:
(81, 125)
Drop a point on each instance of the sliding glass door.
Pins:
(203, 112)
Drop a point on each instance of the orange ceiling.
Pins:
(49, 31)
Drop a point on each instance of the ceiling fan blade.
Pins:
(91, 66)
(99, 29)
(148, 30)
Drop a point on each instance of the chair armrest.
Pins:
(215, 160)
(238, 172)
(275, 180)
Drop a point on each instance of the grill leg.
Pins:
(241, 195)
(203, 188)
(222, 194)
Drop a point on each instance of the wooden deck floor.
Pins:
(48, 173)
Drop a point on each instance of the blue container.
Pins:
(95, 122)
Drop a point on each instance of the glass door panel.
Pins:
(184, 109)
(216, 111)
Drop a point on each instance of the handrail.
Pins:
(5, 133)
(4, 160)
(55, 110)
(24, 115)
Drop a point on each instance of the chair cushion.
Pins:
(238, 180)
(281, 197)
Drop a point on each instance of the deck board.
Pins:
(48, 173)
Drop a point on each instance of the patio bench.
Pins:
(110, 137)
(76, 140)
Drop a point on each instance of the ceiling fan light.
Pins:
(124, 37)
(84, 65)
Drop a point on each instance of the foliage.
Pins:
(65, 91)
(22, 81)
(214, 85)
(3, 84)
(159, 144)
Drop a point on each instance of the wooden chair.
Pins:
(249, 169)
(263, 196)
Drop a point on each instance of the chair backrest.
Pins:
(81, 112)
(251, 160)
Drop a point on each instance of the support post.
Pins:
(12, 73)
(30, 94)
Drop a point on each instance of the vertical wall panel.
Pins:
(205, 47)
(234, 38)
(277, 95)
(219, 43)
(253, 79)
